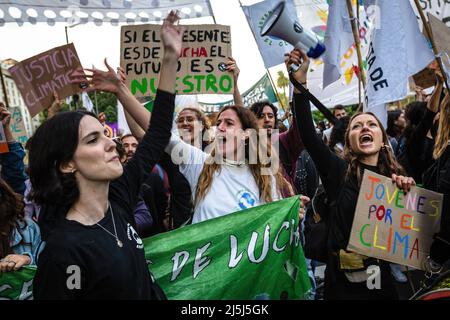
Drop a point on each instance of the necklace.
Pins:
(119, 243)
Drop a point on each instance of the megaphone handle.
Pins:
(319, 105)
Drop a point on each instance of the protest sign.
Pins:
(200, 67)
(17, 126)
(262, 90)
(3, 143)
(39, 76)
(251, 254)
(394, 226)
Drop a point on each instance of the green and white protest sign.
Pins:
(17, 285)
(394, 226)
(201, 67)
(251, 254)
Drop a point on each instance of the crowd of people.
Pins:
(88, 200)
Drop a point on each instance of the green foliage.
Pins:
(106, 102)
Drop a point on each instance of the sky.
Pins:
(94, 43)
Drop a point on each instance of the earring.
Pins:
(73, 170)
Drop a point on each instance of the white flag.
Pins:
(272, 50)
(338, 39)
(121, 120)
(87, 103)
(397, 51)
(380, 111)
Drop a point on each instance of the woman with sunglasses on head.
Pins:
(92, 249)
(366, 148)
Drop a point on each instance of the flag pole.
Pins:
(267, 70)
(362, 76)
(429, 33)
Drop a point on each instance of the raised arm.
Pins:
(317, 149)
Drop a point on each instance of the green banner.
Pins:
(250, 254)
(17, 285)
(262, 90)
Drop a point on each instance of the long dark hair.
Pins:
(387, 164)
(11, 210)
(54, 144)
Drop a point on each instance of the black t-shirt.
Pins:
(85, 262)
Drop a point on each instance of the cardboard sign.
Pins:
(200, 67)
(392, 226)
(38, 77)
(17, 126)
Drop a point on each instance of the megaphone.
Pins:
(281, 25)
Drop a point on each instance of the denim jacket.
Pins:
(13, 167)
(26, 239)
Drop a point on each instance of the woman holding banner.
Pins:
(366, 147)
(92, 249)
